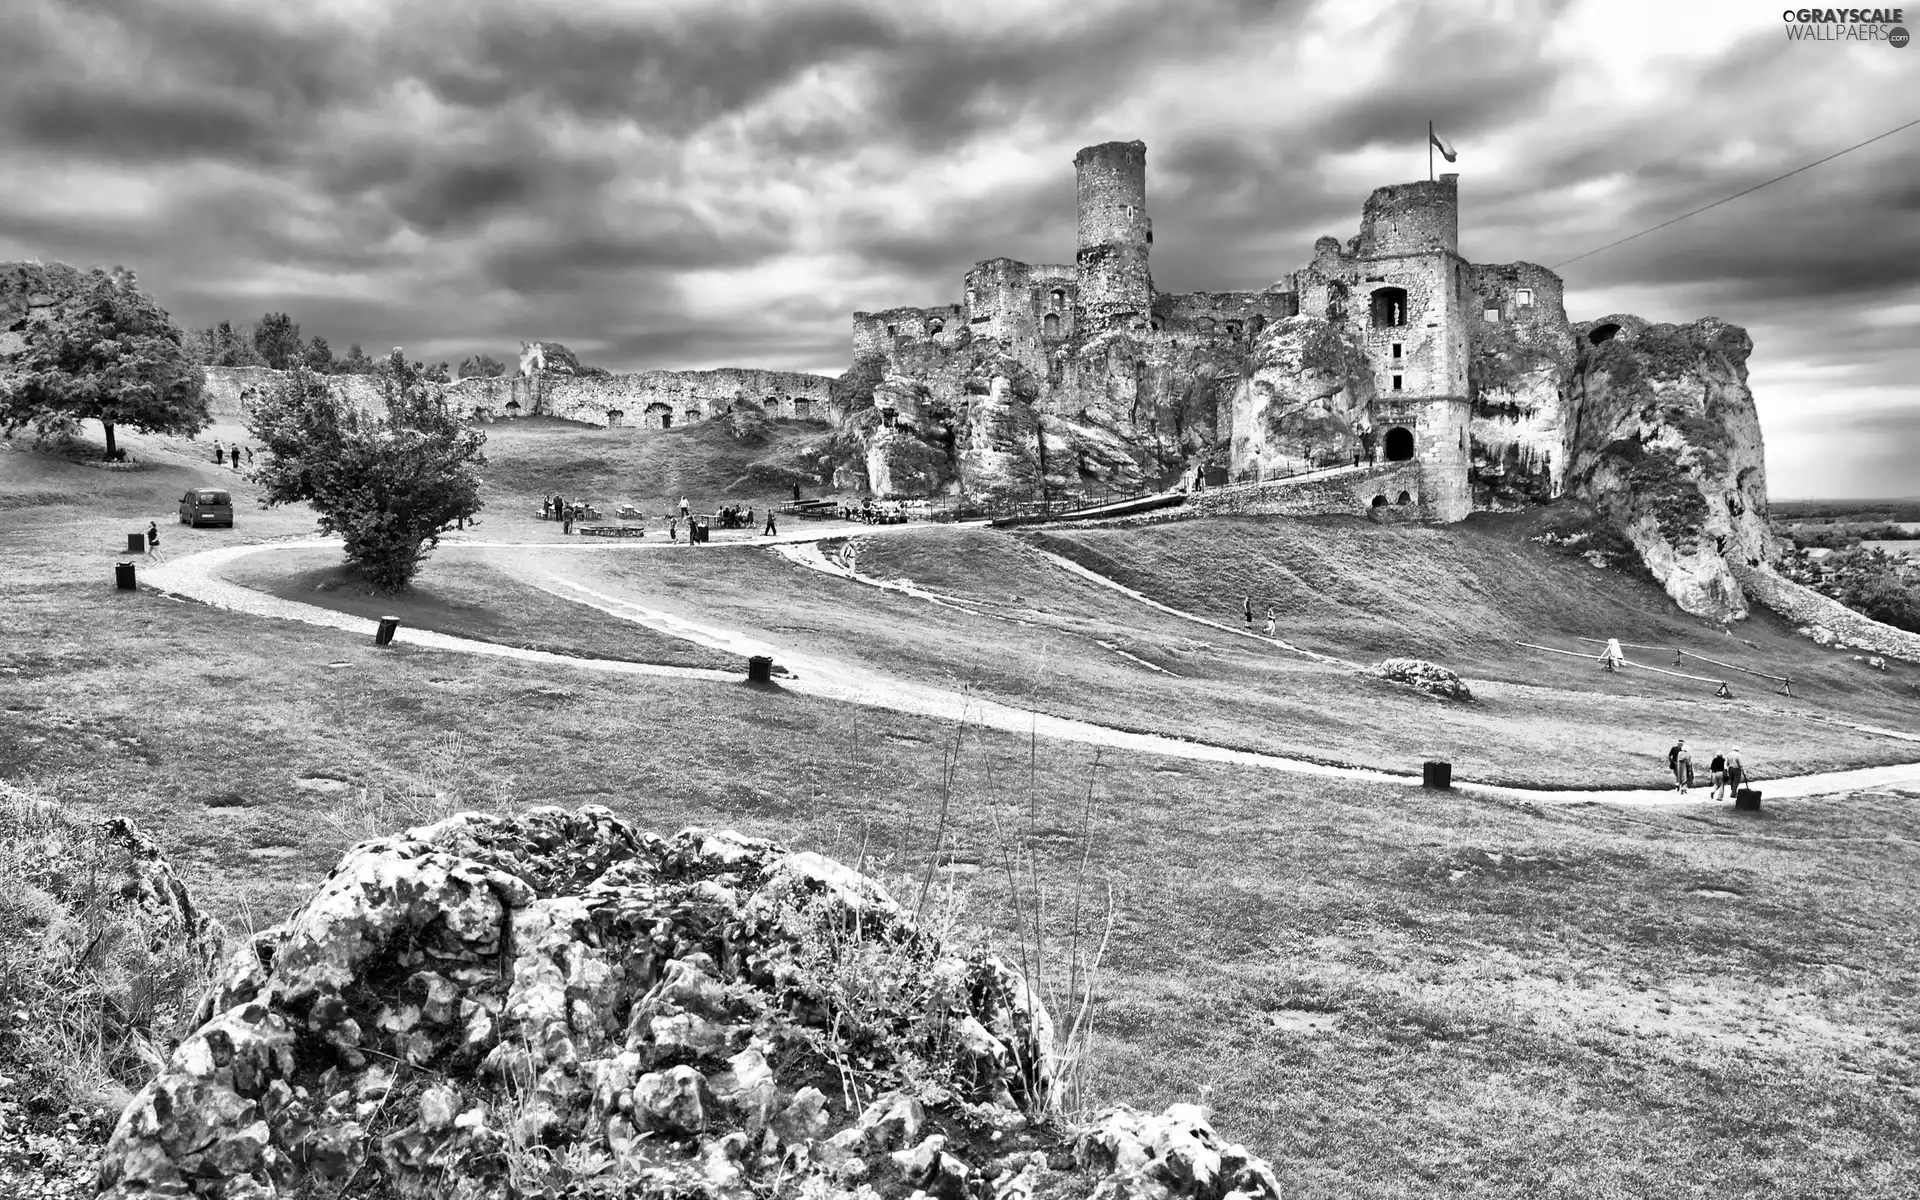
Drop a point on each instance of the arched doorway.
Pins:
(659, 416)
(1399, 444)
(1389, 307)
(1050, 325)
(614, 417)
(1404, 498)
(1379, 502)
(513, 408)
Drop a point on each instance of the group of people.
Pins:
(222, 453)
(870, 513)
(1273, 617)
(559, 508)
(1727, 772)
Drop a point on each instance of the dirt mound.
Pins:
(559, 1005)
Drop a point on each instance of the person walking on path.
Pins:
(1736, 772)
(1273, 621)
(153, 539)
(249, 455)
(1681, 763)
(235, 451)
(219, 452)
(1246, 606)
(1717, 772)
(686, 510)
(796, 493)
(770, 530)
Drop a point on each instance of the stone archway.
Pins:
(659, 416)
(1404, 498)
(1399, 444)
(1389, 307)
(614, 417)
(1379, 502)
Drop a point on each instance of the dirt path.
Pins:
(196, 577)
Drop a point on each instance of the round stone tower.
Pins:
(1116, 287)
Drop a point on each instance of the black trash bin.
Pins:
(1436, 775)
(760, 669)
(123, 576)
(388, 627)
(136, 543)
(1746, 799)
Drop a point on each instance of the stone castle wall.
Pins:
(231, 391)
(1804, 606)
(1349, 492)
(1521, 352)
(1115, 233)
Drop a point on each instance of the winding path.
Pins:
(197, 577)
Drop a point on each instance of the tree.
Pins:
(221, 346)
(390, 485)
(483, 366)
(277, 339)
(319, 356)
(109, 354)
(356, 362)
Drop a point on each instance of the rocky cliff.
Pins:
(1666, 446)
(1304, 389)
(562, 1006)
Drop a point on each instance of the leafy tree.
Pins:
(483, 366)
(222, 346)
(390, 485)
(109, 354)
(319, 356)
(356, 362)
(277, 339)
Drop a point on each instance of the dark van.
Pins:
(207, 506)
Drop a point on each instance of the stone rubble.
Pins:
(556, 1004)
(1428, 677)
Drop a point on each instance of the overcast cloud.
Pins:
(722, 183)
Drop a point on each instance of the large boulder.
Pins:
(1666, 445)
(560, 1005)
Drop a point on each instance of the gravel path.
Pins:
(196, 577)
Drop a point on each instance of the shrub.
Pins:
(102, 956)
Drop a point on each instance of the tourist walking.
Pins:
(235, 451)
(673, 528)
(219, 452)
(796, 493)
(1736, 772)
(1273, 621)
(1717, 774)
(153, 539)
(1246, 606)
(1681, 763)
(770, 530)
(686, 510)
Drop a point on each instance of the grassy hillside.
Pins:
(650, 468)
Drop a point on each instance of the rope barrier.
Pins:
(1724, 690)
(1690, 654)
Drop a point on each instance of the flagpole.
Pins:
(1429, 151)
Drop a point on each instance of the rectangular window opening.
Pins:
(1396, 349)
(1524, 297)
(1490, 315)
(1396, 382)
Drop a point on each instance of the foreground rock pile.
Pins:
(1428, 677)
(559, 1005)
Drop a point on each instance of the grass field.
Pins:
(1389, 993)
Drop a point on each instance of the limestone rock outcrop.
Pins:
(559, 1005)
(1306, 386)
(1666, 446)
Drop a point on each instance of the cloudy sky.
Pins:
(721, 182)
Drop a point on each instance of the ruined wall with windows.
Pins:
(646, 399)
(1521, 353)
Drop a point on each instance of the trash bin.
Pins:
(1746, 800)
(388, 627)
(760, 669)
(123, 576)
(1436, 775)
(136, 543)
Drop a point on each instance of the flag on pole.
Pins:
(1439, 144)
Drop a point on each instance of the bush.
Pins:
(102, 955)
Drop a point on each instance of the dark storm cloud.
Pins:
(671, 71)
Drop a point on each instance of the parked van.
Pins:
(207, 506)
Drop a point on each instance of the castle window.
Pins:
(1396, 349)
(1051, 324)
(893, 331)
(1389, 306)
(1523, 297)
(1379, 502)
(969, 297)
(1059, 297)
(1404, 498)
(1396, 382)
(936, 325)
(1259, 323)
(1490, 315)
(888, 416)
(1233, 329)
(1399, 444)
